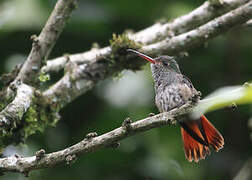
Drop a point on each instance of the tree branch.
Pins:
(203, 33)
(98, 66)
(13, 113)
(43, 44)
(91, 143)
(154, 33)
(28, 74)
(182, 24)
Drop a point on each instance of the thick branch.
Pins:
(13, 113)
(91, 144)
(200, 35)
(156, 32)
(43, 44)
(28, 74)
(182, 24)
(84, 77)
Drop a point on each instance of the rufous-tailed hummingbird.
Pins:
(173, 90)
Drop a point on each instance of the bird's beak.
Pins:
(142, 55)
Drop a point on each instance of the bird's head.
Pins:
(166, 63)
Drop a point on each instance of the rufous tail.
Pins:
(198, 136)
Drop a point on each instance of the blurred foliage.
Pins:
(225, 97)
(157, 154)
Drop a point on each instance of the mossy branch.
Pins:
(18, 96)
(103, 63)
(157, 32)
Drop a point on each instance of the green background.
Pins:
(156, 154)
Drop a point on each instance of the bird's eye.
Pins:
(165, 63)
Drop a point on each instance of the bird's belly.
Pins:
(166, 102)
(171, 97)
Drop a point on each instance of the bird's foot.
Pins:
(196, 98)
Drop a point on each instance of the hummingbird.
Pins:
(172, 90)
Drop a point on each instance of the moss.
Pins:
(37, 118)
(119, 44)
(31, 122)
(119, 59)
(44, 77)
(73, 5)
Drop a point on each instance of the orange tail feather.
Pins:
(214, 138)
(194, 150)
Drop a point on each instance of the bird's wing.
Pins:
(189, 83)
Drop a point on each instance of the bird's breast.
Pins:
(172, 96)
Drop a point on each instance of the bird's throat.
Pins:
(163, 76)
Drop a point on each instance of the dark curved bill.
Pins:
(142, 55)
